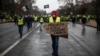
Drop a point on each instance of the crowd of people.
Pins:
(29, 19)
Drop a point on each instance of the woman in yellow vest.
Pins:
(20, 23)
(55, 39)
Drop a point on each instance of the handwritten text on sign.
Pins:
(56, 28)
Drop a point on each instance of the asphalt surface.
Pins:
(79, 43)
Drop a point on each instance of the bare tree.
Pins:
(13, 6)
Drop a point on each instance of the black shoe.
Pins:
(20, 36)
(54, 54)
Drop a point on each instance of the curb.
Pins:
(88, 25)
(92, 26)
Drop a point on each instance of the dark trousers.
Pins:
(29, 25)
(20, 30)
(55, 40)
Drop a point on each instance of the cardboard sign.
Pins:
(59, 29)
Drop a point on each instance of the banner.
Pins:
(59, 29)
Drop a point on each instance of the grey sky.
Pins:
(53, 4)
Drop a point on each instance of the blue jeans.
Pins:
(55, 40)
(20, 30)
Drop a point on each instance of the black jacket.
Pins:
(98, 20)
(84, 20)
(28, 20)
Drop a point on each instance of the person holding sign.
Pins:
(55, 39)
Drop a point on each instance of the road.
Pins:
(36, 43)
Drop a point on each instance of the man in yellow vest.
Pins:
(20, 23)
(41, 22)
(55, 39)
(35, 20)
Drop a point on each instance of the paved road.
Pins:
(8, 35)
(80, 43)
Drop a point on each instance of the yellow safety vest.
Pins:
(41, 20)
(35, 18)
(52, 21)
(20, 21)
(78, 15)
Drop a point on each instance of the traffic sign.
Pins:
(46, 6)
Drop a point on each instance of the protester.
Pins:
(28, 21)
(98, 22)
(83, 20)
(41, 22)
(20, 24)
(73, 20)
(15, 19)
(55, 39)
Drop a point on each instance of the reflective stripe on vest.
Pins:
(20, 21)
(52, 21)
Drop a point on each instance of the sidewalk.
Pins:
(92, 23)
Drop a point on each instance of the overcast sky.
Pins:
(53, 4)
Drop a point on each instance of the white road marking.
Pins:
(13, 45)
